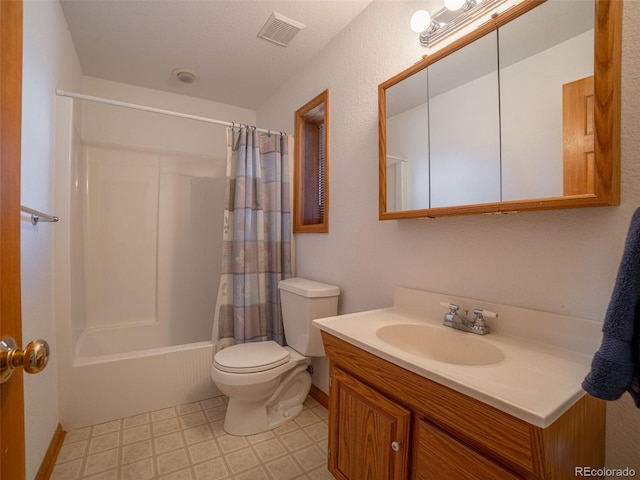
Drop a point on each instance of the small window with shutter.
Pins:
(311, 167)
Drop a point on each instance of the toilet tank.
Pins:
(302, 301)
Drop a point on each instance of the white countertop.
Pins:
(535, 382)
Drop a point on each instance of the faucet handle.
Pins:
(451, 306)
(479, 322)
(450, 317)
(485, 313)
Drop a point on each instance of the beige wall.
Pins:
(49, 61)
(557, 261)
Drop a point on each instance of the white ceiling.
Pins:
(140, 42)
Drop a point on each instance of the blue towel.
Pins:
(615, 367)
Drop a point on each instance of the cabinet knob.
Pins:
(396, 446)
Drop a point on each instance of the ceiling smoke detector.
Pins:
(280, 29)
(184, 75)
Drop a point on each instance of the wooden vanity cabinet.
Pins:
(372, 433)
(438, 455)
(441, 434)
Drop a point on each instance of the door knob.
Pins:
(33, 358)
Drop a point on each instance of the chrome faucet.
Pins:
(460, 321)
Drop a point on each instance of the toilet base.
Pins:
(249, 418)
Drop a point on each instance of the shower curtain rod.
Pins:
(161, 111)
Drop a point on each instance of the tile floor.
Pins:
(188, 442)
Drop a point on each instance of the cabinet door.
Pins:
(439, 456)
(368, 433)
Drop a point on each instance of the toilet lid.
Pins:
(251, 357)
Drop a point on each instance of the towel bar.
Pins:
(36, 215)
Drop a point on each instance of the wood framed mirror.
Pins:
(486, 125)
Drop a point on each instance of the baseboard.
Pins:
(319, 396)
(49, 460)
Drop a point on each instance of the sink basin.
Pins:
(442, 345)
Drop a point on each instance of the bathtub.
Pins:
(107, 382)
(137, 260)
(94, 344)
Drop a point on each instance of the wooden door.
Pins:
(368, 433)
(12, 454)
(578, 139)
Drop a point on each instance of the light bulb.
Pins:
(454, 4)
(420, 21)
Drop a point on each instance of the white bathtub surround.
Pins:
(546, 356)
(149, 237)
(141, 198)
(151, 240)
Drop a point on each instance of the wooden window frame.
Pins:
(310, 174)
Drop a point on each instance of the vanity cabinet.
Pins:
(373, 431)
(440, 455)
(386, 422)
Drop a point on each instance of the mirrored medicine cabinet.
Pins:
(521, 114)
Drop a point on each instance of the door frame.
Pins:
(12, 437)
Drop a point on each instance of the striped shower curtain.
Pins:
(256, 238)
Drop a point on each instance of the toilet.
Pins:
(265, 382)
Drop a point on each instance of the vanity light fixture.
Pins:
(454, 15)
(463, 5)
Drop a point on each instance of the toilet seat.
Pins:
(251, 357)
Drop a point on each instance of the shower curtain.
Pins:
(256, 238)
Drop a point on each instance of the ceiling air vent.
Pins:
(280, 29)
